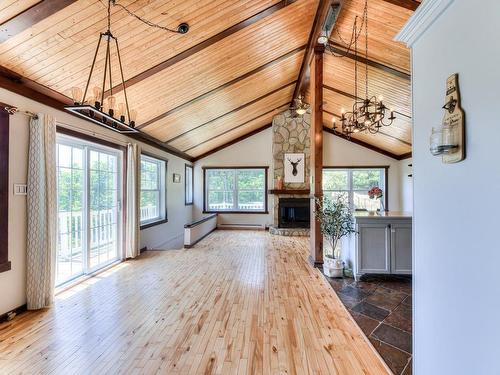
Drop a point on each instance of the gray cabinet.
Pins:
(383, 245)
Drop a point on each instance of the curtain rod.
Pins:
(14, 110)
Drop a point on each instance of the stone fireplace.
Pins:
(291, 135)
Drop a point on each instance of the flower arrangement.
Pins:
(375, 193)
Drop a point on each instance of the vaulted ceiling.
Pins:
(227, 77)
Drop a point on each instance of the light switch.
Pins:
(20, 189)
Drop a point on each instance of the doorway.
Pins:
(89, 193)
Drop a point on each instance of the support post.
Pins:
(316, 89)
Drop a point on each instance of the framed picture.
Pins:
(177, 178)
(294, 168)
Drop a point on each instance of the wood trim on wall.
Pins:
(25, 87)
(265, 212)
(5, 264)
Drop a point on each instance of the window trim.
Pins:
(5, 264)
(186, 166)
(266, 208)
(159, 221)
(386, 177)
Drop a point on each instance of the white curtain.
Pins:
(41, 212)
(132, 230)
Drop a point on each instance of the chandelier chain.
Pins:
(139, 18)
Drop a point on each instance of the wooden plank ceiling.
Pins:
(388, 70)
(227, 77)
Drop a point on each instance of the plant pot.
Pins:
(333, 267)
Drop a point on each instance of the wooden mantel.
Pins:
(290, 191)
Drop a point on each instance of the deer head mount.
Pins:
(294, 165)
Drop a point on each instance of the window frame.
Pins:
(205, 201)
(158, 221)
(364, 167)
(5, 264)
(186, 168)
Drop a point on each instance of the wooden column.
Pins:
(316, 89)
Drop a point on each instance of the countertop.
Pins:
(383, 214)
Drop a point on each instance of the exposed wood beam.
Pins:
(283, 106)
(232, 111)
(321, 13)
(201, 46)
(408, 4)
(338, 49)
(230, 143)
(316, 154)
(20, 85)
(405, 156)
(31, 16)
(353, 97)
(223, 86)
(362, 143)
(380, 131)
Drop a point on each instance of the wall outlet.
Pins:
(20, 189)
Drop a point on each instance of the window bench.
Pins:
(199, 229)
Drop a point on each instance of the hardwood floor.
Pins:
(240, 302)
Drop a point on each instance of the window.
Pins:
(89, 221)
(236, 189)
(153, 190)
(188, 185)
(353, 184)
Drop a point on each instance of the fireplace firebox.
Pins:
(294, 213)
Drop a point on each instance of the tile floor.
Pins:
(381, 305)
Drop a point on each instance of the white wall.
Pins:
(256, 151)
(340, 152)
(253, 151)
(406, 183)
(169, 235)
(456, 244)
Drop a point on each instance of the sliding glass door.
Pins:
(89, 214)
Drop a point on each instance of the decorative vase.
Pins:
(279, 183)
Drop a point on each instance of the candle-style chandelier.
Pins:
(368, 114)
(118, 117)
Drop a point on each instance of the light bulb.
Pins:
(133, 117)
(380, 98)
(300, 111)
(111, 104)
(121, 111)
(342, 111)
(97, 95)
(76, 94)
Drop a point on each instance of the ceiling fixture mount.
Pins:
(368, 114)
(299, 107)
(100, 108)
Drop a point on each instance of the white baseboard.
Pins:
(241, 226)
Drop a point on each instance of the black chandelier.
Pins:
(119, 118)
(368, 114)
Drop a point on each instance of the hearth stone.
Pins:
(301, 232)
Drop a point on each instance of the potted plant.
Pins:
(336, 221)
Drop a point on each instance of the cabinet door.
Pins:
(401, 249)
(373, 249)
